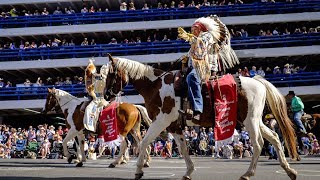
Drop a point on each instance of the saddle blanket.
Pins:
(225, 102)
(108, 122)
(91, 116)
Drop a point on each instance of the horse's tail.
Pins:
(144, 115)
(278, 106)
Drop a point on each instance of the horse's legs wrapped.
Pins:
(273, 138)
(180, 140)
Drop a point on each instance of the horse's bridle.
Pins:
(110, 92)
(57, 103)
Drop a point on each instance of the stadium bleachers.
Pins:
(40, 92)
(153, 47)
(160, 14)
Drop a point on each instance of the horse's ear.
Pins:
(111, 58)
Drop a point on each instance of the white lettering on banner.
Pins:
(224, 103)
(109, 123)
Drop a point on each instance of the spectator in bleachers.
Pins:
(64, 42)
(85, 42)
(9, 84)
(286, 32)
(304, 30)
(92, 10)
(287, 69)
(268, 71)
(268, 33)
(36, 13)
(245, 72)
(276, 70)
(33, 45)
(181, 5)
(45, 148)
(239, 72)
(84, 10)
(206, 3)
(297, 31)
(39, 82)
(131, 6)
(71, 10)
(13, 12)
(165, 38)
(173, 4)
(27, 83)
(45, 12)
(275, 32)
(12, 46)
(123, 6)
(159, 6)
(55, 42)
(113, 41)
(57, 11)
(80, 80)
(145, 7)
(93, 43)
(192, 4)
(253, 71)
(71, 43)
(1, 83)
(68, 81)
(261, 72)
(27, 45)
(244, 33)
(165, 6)
(49, 44)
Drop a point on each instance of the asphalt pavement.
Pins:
(207, 168)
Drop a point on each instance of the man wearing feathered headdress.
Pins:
(209, 53)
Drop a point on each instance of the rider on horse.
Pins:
(210, 43)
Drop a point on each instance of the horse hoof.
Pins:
(298, 158)
(293, 175)
(123, 162)
(146, 165)
(80, 164)
(186, 178)
(244, 178)
(138, 176)
(111, 166)
(69, 160)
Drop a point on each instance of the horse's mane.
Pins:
(63, 93)
(134, 69)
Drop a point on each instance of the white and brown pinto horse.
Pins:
(157, 89)
(129, 118)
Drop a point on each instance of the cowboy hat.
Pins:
(1, 79)
(277, 67)
(51, 127)
(291, 93)
(287, 65)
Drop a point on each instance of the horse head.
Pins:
(116, 79)
(51, 102)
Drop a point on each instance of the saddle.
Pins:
(207, 118)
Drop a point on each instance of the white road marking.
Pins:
(302, 172)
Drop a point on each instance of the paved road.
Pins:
(206, 169)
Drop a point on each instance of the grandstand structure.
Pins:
(19, 64)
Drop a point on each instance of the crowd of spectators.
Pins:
(200, 142)
(124, 6)
(287, 70)
(57, 81)
(149, 37)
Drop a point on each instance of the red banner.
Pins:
(108, 122)
(225, 101)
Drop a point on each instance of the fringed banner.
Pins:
(225, 96)
(108, 122)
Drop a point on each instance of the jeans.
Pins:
(272, 152)
(297, 119)
(194, 91)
